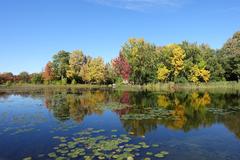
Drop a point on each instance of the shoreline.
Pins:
(159, 87)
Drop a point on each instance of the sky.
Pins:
(32, 31)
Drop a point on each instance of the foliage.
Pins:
(140, 62)
(172, 57)
(6, 77)
(74, 81)
(122, 67)
(230, 57)
(198, 74)
(142, 58)
(177, 58)
(76, 62)
(110, 74)
(36, 78)
(48, 74)
(162, 73)
(60, 64)
(24, 77)
(93, 71)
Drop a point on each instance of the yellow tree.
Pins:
(205, 74)
(97, 70)
(85, 71)
(172, 56)
(197, 74)
(194, 74)
(76, 62)
(177, 58)
(162, 73)
(93, 70)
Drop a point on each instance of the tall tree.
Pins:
(171, 57)
(110, 74)
(48, 74)
(93, 71)
(199, 74)
(24, 77)
(142, 58)
(97, 70)
(85, 71)
(60, 64)
(76, 62)
(122, 67)
(5, 77)
(230, 57)
(36, 78)
(162, 73)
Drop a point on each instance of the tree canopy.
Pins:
(141, 62)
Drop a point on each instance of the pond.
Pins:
(119, 125)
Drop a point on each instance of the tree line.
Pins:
(141, 62)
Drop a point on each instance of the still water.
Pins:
(120, 125)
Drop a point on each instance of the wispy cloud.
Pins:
(139, 5)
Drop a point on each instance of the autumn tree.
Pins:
(199, 73)
(48, 74)
(177, 58)
(6, 77)
(85, 71)
(93, 71)
(76, 62)
(172, 58)
(142, 57)
(122, 67)
(162, 73)
(96, 68)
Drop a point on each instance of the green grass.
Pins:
(166, 87)
(56, 88)
(172, 87)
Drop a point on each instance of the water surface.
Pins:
(119, 124)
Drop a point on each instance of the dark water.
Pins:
(101, 124)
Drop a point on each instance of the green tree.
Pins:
(36, 78)
(230, 57)
(110, 75)
(210, 56)
(60, 64)
(142, 58)
(201, 58)
(24, 77)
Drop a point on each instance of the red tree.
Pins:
(122, 67)
(5, 77)
(48, 72)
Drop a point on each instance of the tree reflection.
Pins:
(75, 106)
(188, 110)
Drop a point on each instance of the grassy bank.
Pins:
(166, 87)
(57, 88)
(173, 87)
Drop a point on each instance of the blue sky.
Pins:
(31, 31)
